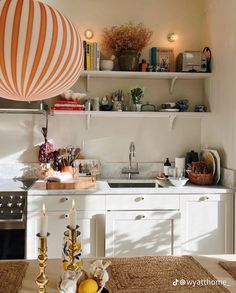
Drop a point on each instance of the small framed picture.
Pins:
(165, 59)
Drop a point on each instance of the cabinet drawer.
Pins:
(61, 203)
(142, 202)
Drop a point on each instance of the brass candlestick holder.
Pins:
(72, 235)
(42, 279)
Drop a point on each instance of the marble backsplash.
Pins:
(29, 170)
(146, 170)
(228, 178)
(108, 170)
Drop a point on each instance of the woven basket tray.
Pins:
(201, 179)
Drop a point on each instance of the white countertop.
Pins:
(39, 188)
(209, 262)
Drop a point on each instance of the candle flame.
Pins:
(73, 204)
(44, 209)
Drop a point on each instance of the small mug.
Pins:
(70, 169)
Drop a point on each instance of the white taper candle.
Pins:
(43, 223)
(73, 216)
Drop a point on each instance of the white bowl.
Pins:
(163, 182)
(178, 182)
(107, 65)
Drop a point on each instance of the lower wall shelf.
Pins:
(113, 114)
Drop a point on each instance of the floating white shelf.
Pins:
(150, 75)
(172, 76)
(113, 114)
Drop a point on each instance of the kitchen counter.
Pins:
(53, 272)
(39, 188)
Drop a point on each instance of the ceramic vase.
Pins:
(128, 60)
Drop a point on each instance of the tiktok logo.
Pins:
(175, 283)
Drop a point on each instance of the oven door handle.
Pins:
(10, 224)
(13, 220)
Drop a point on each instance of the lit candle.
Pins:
(43, 223)
(73, 216)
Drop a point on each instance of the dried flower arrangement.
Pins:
(125, 37)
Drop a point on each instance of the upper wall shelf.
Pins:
(172, 76)
(113, 114)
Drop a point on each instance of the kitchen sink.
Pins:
(130, 184)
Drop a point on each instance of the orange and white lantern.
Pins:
(41, 53)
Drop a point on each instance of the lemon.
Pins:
(88, 286)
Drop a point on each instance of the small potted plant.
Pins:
(126, 42)
(136, 97)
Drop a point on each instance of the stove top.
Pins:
(15, 184)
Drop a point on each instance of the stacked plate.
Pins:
(212, 160)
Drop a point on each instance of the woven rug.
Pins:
(160, 274)
(230, 267)
(11, 275)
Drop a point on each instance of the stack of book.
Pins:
(91, 56)
(68, 106)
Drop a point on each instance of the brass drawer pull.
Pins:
(139, 217)
(138, 199)
(64, 199)
(204, 198)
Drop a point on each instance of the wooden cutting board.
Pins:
(80, 183)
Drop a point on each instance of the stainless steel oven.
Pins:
(13, 206)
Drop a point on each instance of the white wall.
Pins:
(108, 139)
(219, 131)
(162, 17)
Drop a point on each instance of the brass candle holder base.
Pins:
(72, 235)
(42, 279)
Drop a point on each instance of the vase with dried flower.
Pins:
(126, 42)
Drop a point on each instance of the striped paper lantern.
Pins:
(41, 53)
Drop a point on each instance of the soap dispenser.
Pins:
(167, 165)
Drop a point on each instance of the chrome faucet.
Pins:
(131, 170)
(131, 153)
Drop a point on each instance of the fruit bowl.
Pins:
(178, 182)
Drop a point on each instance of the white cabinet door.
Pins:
(138, 233)
(91, 228)
(207, 224)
